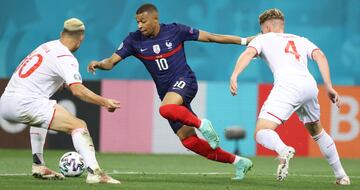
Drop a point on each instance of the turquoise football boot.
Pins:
(241, 168)
(209, 133)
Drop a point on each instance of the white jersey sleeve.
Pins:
(310, 47)
(68, 69)
(257, 43)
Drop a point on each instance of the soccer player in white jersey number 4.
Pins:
(295, 90)
(27, 100)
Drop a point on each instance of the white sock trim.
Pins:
(318, 136)
(78, 130)
(237, 159)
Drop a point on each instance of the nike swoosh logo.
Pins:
(142, 50)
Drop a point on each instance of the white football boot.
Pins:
(43, 172)
(343, 181)
(98, 176)
(284, 158)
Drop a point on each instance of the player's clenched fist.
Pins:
(111, 105)
(334, 96)
(233, 85)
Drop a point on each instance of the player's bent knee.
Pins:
(259, 128)
(77, 124)
(265, 124)
(165, 111)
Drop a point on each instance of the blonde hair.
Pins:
(74, 24)
(73, 28)
(271, 14)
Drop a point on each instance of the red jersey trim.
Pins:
(165, 55)
(275, 117)
(74, 83)
(257, 53)
(52, 118)
(313, 52)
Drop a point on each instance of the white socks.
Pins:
(81, 140)
(37, 139)
(328, 149)
(84, 145)
(270, 140)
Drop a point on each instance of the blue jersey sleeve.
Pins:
(187, 33)
(125, 49)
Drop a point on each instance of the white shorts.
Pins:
(37, 112)
(288, 97)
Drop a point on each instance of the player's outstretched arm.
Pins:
(242, 62)
(323, 65)
(223, 39)
(86, 95)
(105, 64)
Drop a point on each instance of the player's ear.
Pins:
(155, 16)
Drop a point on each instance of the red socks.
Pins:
(181, 114)
(201, 147)
(175, 112)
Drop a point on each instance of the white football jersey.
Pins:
(44, 70)
(286, 54)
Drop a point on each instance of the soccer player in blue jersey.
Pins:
(160, 47)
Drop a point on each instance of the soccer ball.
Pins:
(72, 164)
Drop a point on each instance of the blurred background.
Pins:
(332, 25)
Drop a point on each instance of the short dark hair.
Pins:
(147, 7)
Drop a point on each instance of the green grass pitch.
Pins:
(175, 172)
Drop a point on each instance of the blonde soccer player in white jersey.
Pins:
(295, 90)
(27, 100)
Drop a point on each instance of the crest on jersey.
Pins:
(156, 48)
(77, 77)
(168, 44)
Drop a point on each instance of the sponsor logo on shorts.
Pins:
(121, 46)
(191, 31)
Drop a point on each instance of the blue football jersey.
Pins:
(163, 55)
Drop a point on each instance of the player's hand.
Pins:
(111, 105)
(92, 66)
(233, 85)
(334, 96)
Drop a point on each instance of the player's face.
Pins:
(147, 23)
(78, 42)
